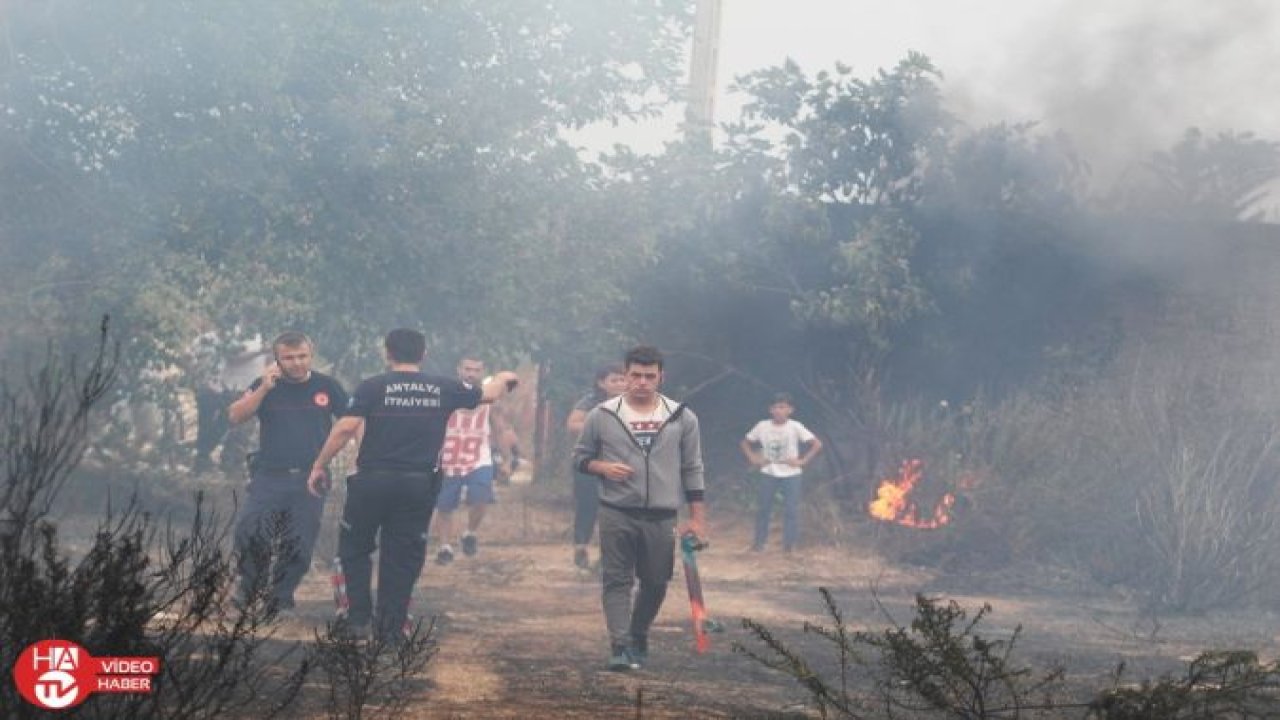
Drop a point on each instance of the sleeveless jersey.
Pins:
(466, 442)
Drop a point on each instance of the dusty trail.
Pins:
(522, 635)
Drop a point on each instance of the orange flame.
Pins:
(893, 504)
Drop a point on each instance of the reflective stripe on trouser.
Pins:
(394, 508)
(634, 548)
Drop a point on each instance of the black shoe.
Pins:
(445, 556)
(581, 559)
(639, 651)
(470, 546)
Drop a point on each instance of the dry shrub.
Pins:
(144, 587)
(941, 664)
(1161, 478)
(1159, 475)
(376, 678)
(938, 665)
(139, 588)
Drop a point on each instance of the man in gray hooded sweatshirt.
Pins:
(647, 452)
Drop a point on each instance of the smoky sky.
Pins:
(1123, 78)
(1127, 78)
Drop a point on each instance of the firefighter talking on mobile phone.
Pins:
(279, 520)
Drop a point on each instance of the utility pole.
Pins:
(700, 112)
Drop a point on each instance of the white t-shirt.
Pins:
(230, 367)
(778, 443)
(243, 368)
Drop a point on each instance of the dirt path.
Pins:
(522, 635)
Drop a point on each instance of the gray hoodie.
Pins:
(671, 472)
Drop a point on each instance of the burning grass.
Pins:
(896, 503)
(1159, 478)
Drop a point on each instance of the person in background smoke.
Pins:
(225, 372)
(774, 446)
(467, 462)
(295, 407)
(611, 381)
(400, 416)
(647, 451)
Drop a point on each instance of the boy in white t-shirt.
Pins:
(774, 446)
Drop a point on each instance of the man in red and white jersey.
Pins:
(466, 463)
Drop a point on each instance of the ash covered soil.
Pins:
(521, 633)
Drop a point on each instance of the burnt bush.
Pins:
(1162, 480)
(1159, 476)
(938, 665)
(140, 585)
(374, 679)
(1215, 685)
(941, 665)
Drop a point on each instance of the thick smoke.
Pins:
(1126, 79)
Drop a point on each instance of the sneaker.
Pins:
(470, 546)
(621, 660)
(639, 651)
(445, 556)
(581, 559)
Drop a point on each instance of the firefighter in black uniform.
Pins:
(402, 414)
(280, 519)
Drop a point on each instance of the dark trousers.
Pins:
(390, 510)
(635, 546)
(212, 423)
(586, 503)
(276, 533)
(767, 486)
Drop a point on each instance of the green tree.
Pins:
(331, 166)
(797, 238)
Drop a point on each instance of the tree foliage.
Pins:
(324, 165)
(1220, 177)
